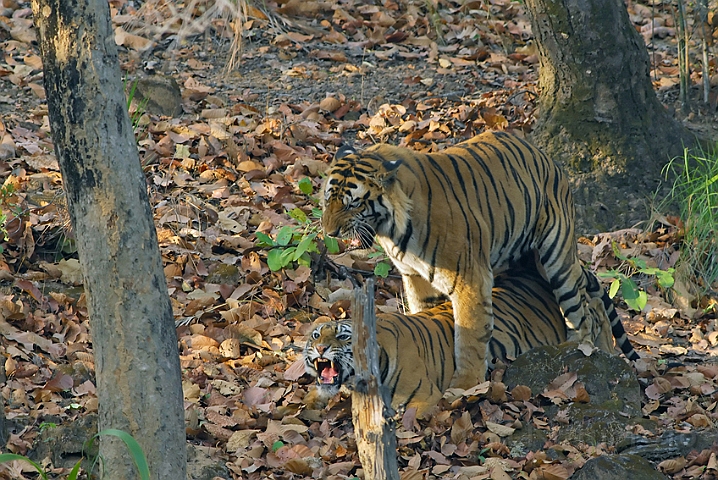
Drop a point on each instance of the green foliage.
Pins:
(277, 445)
(136, 452)
(141, 106)
(635, 297)
(383, 266)
(382, 269)
(138, 456)
(695, 191)
(293, 243)
(305, 185)
(10, 457)
(46, 425)
(482, 458)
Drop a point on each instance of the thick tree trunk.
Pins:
(374, 432)
(136, 358)
(598, 112)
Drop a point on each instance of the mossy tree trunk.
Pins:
(598, 112)
(133, 332)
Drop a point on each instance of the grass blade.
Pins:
(9, 457)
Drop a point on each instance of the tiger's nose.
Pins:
(321, 349)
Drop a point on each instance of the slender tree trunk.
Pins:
(137, 363)
(598, 112)
(374, 432)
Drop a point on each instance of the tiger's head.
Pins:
(361, 197)
(328, 356)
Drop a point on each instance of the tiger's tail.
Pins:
(595, 290)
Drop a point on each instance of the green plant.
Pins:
(695, 191)
(294, 243)
(141, 105)
(136, 452)
(10, 457)
(634, 296)
(138, 456)
(383, 266)
(45, 425)
(482, 458)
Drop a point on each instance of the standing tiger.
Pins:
(416, 352)
(452, 220)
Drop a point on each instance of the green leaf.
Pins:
(287, 256)
(299, 215)
(665, 279)
(316, 212)
(607, 274)
(614, 288)
(277, 445)
(638, 263)
(75, 471)
(382, 269)
(635, 298)
(135, 450)
(9, 457)
(332, 244)
(274, 259)
(264, 239)
(284, 236)
(305, 260)
(305, 185)
(304, 245)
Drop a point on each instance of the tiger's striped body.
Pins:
(416, 352)
(451, 221)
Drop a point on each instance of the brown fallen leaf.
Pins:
(59, 383)
(461, 428)
(500, 430)
(673, 465)
(130, 40)
(521, 393)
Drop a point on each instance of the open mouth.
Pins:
(328, 372)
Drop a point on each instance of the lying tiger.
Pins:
(451, 221)
(416, 352)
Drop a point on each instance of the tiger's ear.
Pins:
(321, 320)
(389, 169)
(344, 150)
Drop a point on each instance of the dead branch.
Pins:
(371, 410)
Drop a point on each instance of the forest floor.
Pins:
(243, 154)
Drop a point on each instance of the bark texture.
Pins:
(137, 363)
(374, 431)
(598, 112)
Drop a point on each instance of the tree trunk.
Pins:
(598, 112)
(374, 432)
(133, 333)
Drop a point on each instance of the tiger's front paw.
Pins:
(316, 399)
(466, 380)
